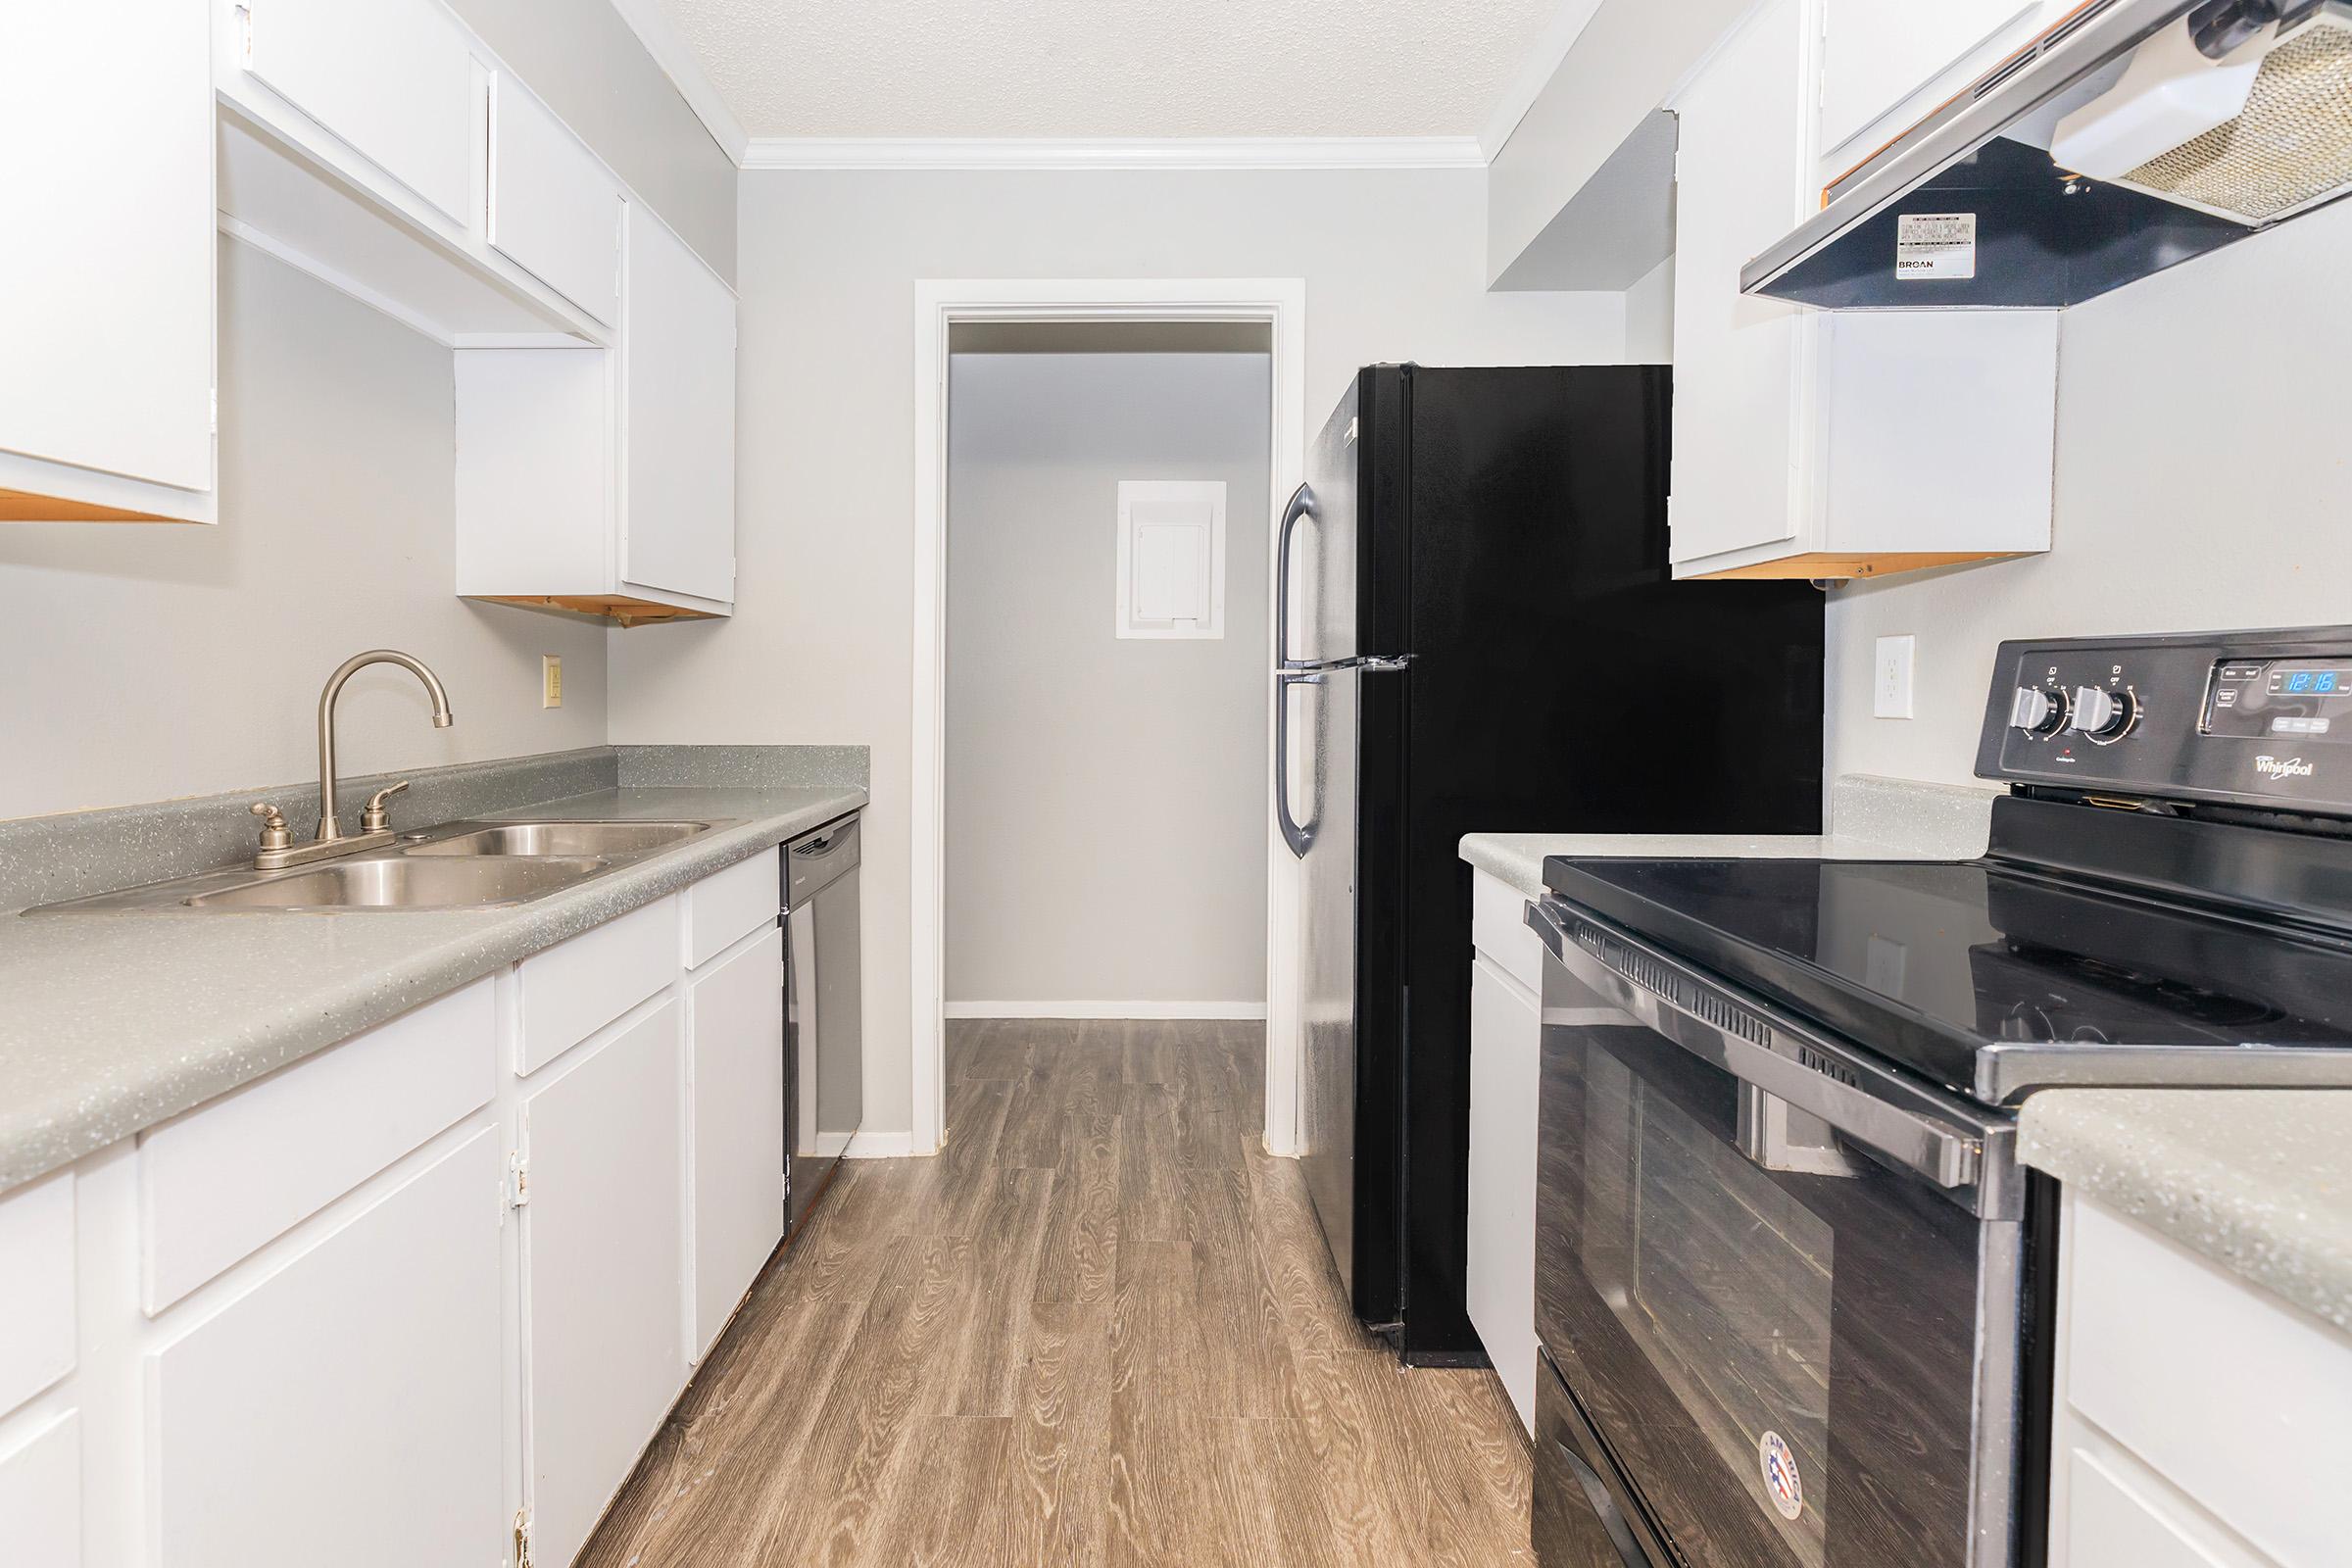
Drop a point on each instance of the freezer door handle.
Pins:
(1299, 836)
(1302, 504)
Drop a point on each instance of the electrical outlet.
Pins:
(551, 681)
(1891, 684)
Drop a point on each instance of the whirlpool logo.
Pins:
(2291, 768)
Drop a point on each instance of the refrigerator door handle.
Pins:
(1302, 504)
(1300, 837)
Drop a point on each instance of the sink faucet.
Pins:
(329, 830)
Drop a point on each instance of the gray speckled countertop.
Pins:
(2259, 1180)
(1872, 819)
(114, 1021)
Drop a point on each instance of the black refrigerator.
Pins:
(1477, 631)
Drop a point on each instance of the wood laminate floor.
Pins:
(1100, 1328)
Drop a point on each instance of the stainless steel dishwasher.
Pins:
(824, 1027)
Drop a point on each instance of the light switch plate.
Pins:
(551, 680)
(1890, 678)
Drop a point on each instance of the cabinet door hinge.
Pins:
(519, 1180)
(245, 36)
(523, 1537)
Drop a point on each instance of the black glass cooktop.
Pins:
(1992, 978)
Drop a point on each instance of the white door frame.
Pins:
(1280, 303)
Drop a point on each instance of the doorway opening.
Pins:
(1099, 466)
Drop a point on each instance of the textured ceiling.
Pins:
(1111, 68)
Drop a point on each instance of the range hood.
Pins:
(2179, 127)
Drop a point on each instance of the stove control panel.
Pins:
(2259, 717)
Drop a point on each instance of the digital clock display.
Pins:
(2286, 700)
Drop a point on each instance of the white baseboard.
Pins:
(1107, 1009)
(880, 1145)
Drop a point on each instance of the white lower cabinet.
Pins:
(346, 1406)
(391, 1306)
(2201, 1421)
(602, 1272)
(40, 1495)
(1506, 1041)
(736, 1065)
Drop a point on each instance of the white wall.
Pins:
(147, 662)
(587, 63)
(2203, 483)
(819, 647)
(1629, 57)
(1106, 834)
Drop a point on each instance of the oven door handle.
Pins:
(1774, 1055)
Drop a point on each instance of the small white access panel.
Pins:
(1171, 558)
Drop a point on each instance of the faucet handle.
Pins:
(273, 825)
(374, 819)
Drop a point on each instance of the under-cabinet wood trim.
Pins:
(1846, 563)
(26, 506)
(623, 610)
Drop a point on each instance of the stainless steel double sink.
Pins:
(457, 865)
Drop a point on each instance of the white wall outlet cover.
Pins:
(1890, 678)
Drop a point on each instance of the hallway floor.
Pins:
(1101, 1328)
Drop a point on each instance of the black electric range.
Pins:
(1794, 1293)
(2168, 905)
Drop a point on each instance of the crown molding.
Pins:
(678, 60)
(1112, 153)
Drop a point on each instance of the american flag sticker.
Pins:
(1782, 1487)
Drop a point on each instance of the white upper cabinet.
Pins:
(1888, 63)
(393, 78)
(106, 279)
(555, 211)
(1811, 444)
(600, 481)
(679, 457)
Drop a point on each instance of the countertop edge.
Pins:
(34, 1142)
(2258, 1181)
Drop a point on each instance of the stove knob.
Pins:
(2038, 712)
(2103, 715)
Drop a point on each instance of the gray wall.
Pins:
(1106, 797)
(147, 662)
(2202, 483)
(819, 647)
(586, 62)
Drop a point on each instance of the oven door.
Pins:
(1779, 1283)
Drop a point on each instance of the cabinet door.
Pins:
(392, 78)
(679, 357)
(106, 279)
(554, 210)
(40, 1497)
(348, 1407)
(736, 1065)
(603, 1264)
(1506, 1030)
(1877, 54)
(1737, 358)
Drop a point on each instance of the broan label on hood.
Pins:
(1935, 245)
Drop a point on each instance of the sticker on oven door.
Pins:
(1782, 1482)
(1935, 245)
